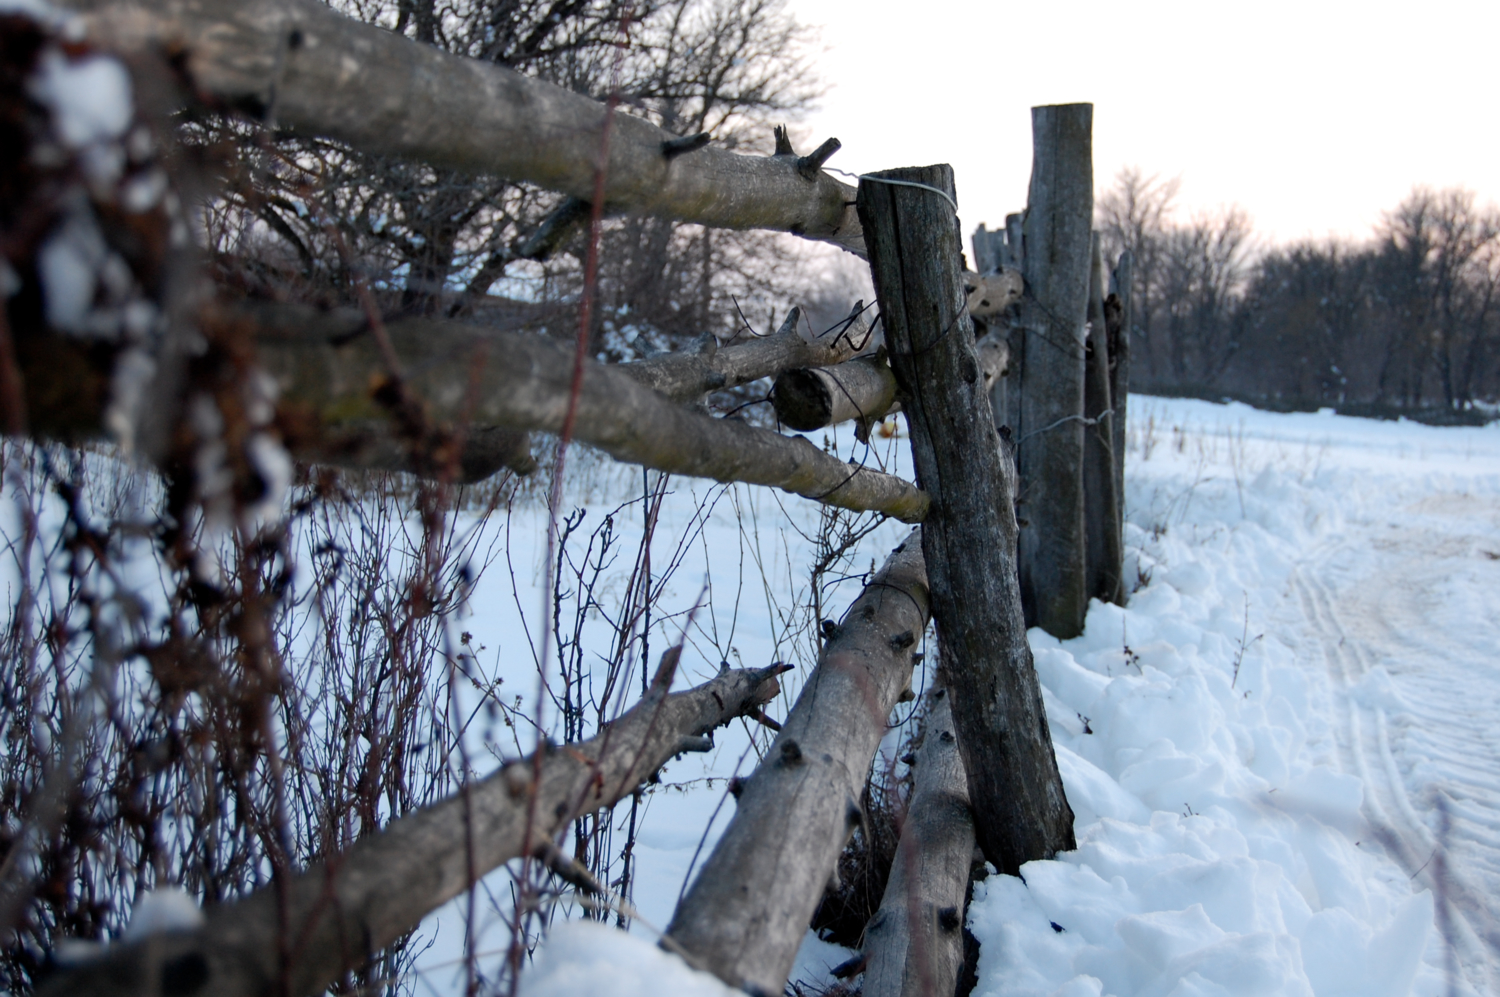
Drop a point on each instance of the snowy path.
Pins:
(1397, 609)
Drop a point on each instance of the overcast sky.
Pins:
(1314, 116)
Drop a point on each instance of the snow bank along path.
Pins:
(1256, 749)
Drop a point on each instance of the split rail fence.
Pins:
(1012, 377)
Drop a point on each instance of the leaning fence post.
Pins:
(969, 534)
(1049, 440)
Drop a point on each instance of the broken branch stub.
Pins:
(330, 918)
(318, 72)
(811, 398)
(740, 920)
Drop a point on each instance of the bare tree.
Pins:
(1133, 216)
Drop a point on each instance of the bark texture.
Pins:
(486, 451)
(915, 942)
(969, 535)
(337, 914)
(1117, 320)
(686, 377)
(308, 69)
(748, 909)
(1106, 552)
(335, 384)
(1059, 213)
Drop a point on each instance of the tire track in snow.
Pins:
(1448, 743)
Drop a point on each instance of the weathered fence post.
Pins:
(1049, 436)
(1117, 319)
(1106, 555)
(969, 534)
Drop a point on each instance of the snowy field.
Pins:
(1277, 754)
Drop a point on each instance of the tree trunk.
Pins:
(915, 942)
(1106, 553)
(1118, 318)
(1059, 215)
(332, 379)
(748, 909)
(337, 914)
(969, 535)
(309, 69)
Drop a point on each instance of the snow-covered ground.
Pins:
(1277, 754)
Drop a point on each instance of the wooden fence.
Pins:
(1012, 378)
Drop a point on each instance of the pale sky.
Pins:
(1314, 116)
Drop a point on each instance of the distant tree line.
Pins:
(1405, 322)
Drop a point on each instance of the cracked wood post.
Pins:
(969, 535)
(1049, 437)
(749, 906)
(317, 72)
(337, 914)
(914, 944)
(332, 377)
(1117, 319)
(1106, 553)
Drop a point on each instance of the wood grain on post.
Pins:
(749, 906)
(317, 72)
(1059, 215)
(1117, 319)
(331, 377)
(336, 914)
(915, 942)
(969, 535)
(1106, 553)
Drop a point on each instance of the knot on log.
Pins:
(948, 919)
(674, 147)
(791, 752)
(903, 639)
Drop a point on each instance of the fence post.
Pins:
(1117, 320)
(1049, 436)
(1106, 554)
(969, 534)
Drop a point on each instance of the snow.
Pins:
(169, 909)
(1279, 755)
(1237, 833)
(90, 97)
(585, 957)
